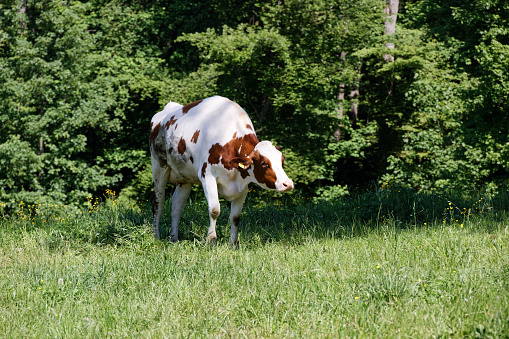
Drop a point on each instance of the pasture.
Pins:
(380, 263)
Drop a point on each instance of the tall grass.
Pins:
(381, 263)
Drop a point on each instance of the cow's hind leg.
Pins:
(236, 211)
(178, 202)
(160, 177)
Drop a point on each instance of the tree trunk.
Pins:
(353, 112)
(390, 24)
(354, 94)
(22, 11)
(341, 98)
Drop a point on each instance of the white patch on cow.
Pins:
(172, 106)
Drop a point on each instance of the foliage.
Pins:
(420, 114)
(80, 80)
(473, 45)
(68, 82)
(290, 90)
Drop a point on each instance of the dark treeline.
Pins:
(415, 92)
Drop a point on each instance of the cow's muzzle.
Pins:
(286, 186)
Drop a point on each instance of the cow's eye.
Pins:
(265, 165)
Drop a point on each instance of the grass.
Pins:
(384, 263)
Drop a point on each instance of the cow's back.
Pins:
(217, 119)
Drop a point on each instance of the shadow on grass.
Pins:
(291, 219)
(284, 219)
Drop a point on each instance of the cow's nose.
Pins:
(288, 185)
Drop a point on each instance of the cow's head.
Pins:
(267, 164)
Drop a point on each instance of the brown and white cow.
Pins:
(210, 142)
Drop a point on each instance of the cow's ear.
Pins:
(241, 163)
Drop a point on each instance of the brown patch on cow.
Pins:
(195, 136)
(234, 135)
(170, 122)
(214, 213)
(236, 220)
(187, 107)
(203, 169)
(263, 172)
(154, 132)
(237, 147)
(191, 159)
(181, 148)
(215, 153)
(176, 126)
(248, 126)
(282, 160)
(155, 203)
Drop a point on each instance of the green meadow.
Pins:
(385, 262)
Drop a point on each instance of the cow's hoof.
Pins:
(211, 241)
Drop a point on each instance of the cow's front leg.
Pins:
(210, 188)
(178, 202)
(236, 211)
(160, 175)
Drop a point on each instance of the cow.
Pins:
(210, 142)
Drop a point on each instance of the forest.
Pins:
(410, 92)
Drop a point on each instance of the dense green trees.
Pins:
(79, 81)
(456, 134)
(72, 76)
